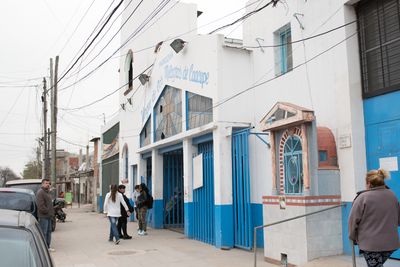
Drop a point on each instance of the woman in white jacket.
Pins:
(112, 206)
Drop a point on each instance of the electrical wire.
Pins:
(93, 31)
(91, 42)
(273, 2)
(155, 12)
(115, 34)
(109, 94)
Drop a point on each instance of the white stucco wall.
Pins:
(329, 84)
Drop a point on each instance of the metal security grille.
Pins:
(173, 189)
(379, 28)
(243, 225)
(203, 198)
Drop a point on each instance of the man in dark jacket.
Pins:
(45, 210)
(123, 221)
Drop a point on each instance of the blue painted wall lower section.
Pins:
(257, 219)
(224, 226)
(345, 230)
(100, 203)
(155, 215)
(132, 217)
(188, 206)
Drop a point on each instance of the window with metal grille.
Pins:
(293, 164)
(379, 28)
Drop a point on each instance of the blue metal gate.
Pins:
(203, 198)
(382, 142)
(382, 137)
(173, 189)
(243, 226)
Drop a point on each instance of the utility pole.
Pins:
(44, 100)
(54, 124)
(38, 158)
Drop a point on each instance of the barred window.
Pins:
(379, 27)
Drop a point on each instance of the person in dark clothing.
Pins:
(123, 221)
(374, 219)
(142, 207)
(45, 210)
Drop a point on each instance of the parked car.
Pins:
(21, 241)
(18, 199)
(33, 184)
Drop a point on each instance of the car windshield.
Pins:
(17, 248)
(33, 187)
(16, 201)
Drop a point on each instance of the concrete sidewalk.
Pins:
(82, 241)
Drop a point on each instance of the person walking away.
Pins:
(142, 207)
(123, 221)
(112, 207)
(374, 219)
(135, 195)
(45, 210)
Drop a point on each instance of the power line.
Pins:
(77, 26)
(151, 47)
(264, 82)
(18, 86)
(91, 42)
(69, 142)
(110, 94)
(93, 31)
(112, 38)
(150, 17)
(303, 39)
(273, 2)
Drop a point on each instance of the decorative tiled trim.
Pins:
(304, 200)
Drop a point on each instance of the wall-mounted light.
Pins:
(144, 78)
(178, 45)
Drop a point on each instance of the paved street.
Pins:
(82, 242)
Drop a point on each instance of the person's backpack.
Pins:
(149, 201)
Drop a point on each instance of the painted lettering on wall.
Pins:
(189, 73)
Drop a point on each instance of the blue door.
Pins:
(383, 140)
(243, 226)
(173, 189)
(203, 198)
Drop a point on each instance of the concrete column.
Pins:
(306, 171)
(273, 162)
(188, 151)
(223, 188)
(95, 172)
(158, 189)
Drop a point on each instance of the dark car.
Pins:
(18, 199)
(21, 241)
(33, 184)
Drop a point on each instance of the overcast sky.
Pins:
(32, 32)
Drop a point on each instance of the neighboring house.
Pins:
(232, 134)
